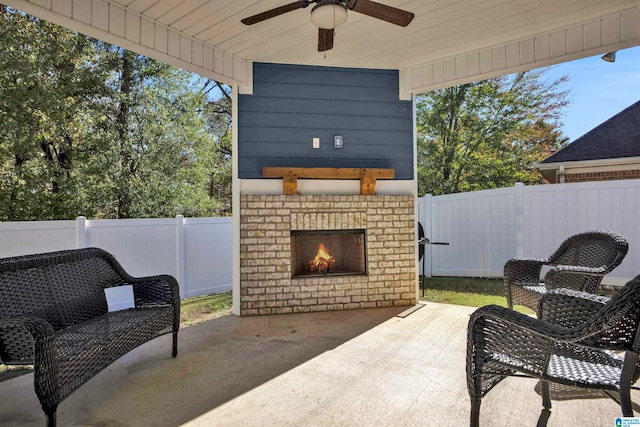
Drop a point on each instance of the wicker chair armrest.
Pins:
(569, 308)
(519, 272)
(15, 329)
(570, 276)
(514, 323)
(523, 271)
(158, 290)
(41, 337)
(155, 290)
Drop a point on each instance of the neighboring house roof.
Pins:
(613, 139)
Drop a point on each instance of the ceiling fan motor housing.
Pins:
(350, 4)
(329, 14)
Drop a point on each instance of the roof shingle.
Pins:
(615, 138)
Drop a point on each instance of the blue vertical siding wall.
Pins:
(291, 105)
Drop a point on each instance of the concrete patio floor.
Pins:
(349, 368)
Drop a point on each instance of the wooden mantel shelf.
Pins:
(367, 176)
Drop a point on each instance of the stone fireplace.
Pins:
(371, 239)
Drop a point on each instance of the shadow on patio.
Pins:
(360, 367)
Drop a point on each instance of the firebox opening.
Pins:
(328, 252)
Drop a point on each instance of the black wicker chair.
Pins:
(579, 263)
(580, 339)
(54, 318)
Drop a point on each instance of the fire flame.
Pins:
(323, 259)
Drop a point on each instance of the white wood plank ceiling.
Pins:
(448, 42)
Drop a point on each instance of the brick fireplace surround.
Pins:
(266, 286)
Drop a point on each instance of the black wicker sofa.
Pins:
(55, 322)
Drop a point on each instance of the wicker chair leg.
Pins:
(546, 394)
(475, 413)
(51, 419)
(509, 300)
(543, 419)
(174, 352)
(626, 378)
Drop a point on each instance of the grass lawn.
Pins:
(199, 309)
(469, 291)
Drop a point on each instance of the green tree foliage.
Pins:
(42, 89)
(488, 134)
(219, 118)
(92, 129)
(148, 148)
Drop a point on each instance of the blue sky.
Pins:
(599, 89)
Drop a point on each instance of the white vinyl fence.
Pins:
(196, 251)
(486, 228)
(483, 228)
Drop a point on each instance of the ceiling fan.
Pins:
(329, 14)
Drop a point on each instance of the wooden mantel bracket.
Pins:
(367, 176)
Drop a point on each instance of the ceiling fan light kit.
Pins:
(329, 14)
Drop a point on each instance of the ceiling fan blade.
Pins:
(273, 13)
(325, 39)
(384, 12)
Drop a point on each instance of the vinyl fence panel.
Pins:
(28, 237)
(144, 247)
(486, 228)
(208, 255)
(552, 213)
(480, 228)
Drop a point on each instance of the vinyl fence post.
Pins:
(81, 232)
(519, 222)
(180, 263)
(427, 223)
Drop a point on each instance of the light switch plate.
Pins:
(337, 141)
(316, 142)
